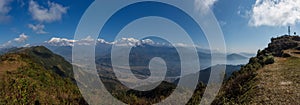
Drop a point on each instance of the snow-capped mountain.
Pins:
(63, 47)
(89, 41)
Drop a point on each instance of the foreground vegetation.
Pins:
(243, 86)
(24, 80)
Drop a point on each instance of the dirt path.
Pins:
(294, 53)
(278, 84)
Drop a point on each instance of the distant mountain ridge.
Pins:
(140, 56)
(63, 47)
(5, 50)
(236, 56)
(103, 50)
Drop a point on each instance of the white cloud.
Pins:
(275, 13)
(22, 38)
(204, 5)
(60, 42)
(16, 41)
(38, 28)
(243, 12)
(7, 44)
(4, 10)
(43, 14)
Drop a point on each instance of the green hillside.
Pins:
(36, 76)
(272, 77)
(50, 61)
(279, 83)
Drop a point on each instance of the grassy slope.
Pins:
(26, 81)
(279, 83)
(261, 81)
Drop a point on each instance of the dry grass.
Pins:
(279, 83)
(292, 52)
(10, 65)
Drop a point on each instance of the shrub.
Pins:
(269, 60)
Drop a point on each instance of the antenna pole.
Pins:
(289, 30)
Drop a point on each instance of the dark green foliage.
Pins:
(235, 88)
(134, 97)
(279, 44)
(269, 60)
(198, 93)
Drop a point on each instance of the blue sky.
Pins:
(247, 25)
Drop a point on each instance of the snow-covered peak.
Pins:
(126, 42)
(90, 41)
(60, 42)
(132, 42)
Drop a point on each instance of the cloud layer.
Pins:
(38, 28)
(275, 13)
(19, 40)
(60, 42)
(43, 14)
(22, 38)
(4, 10)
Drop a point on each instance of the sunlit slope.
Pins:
(36, 76)
(272, 77)
(279, 83)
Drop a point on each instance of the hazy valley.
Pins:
(27, 74)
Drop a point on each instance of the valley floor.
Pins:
(278, 83)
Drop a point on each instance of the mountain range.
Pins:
(103, 49)
(36, 75)
(141, 53)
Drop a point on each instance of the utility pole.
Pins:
(289, 30)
